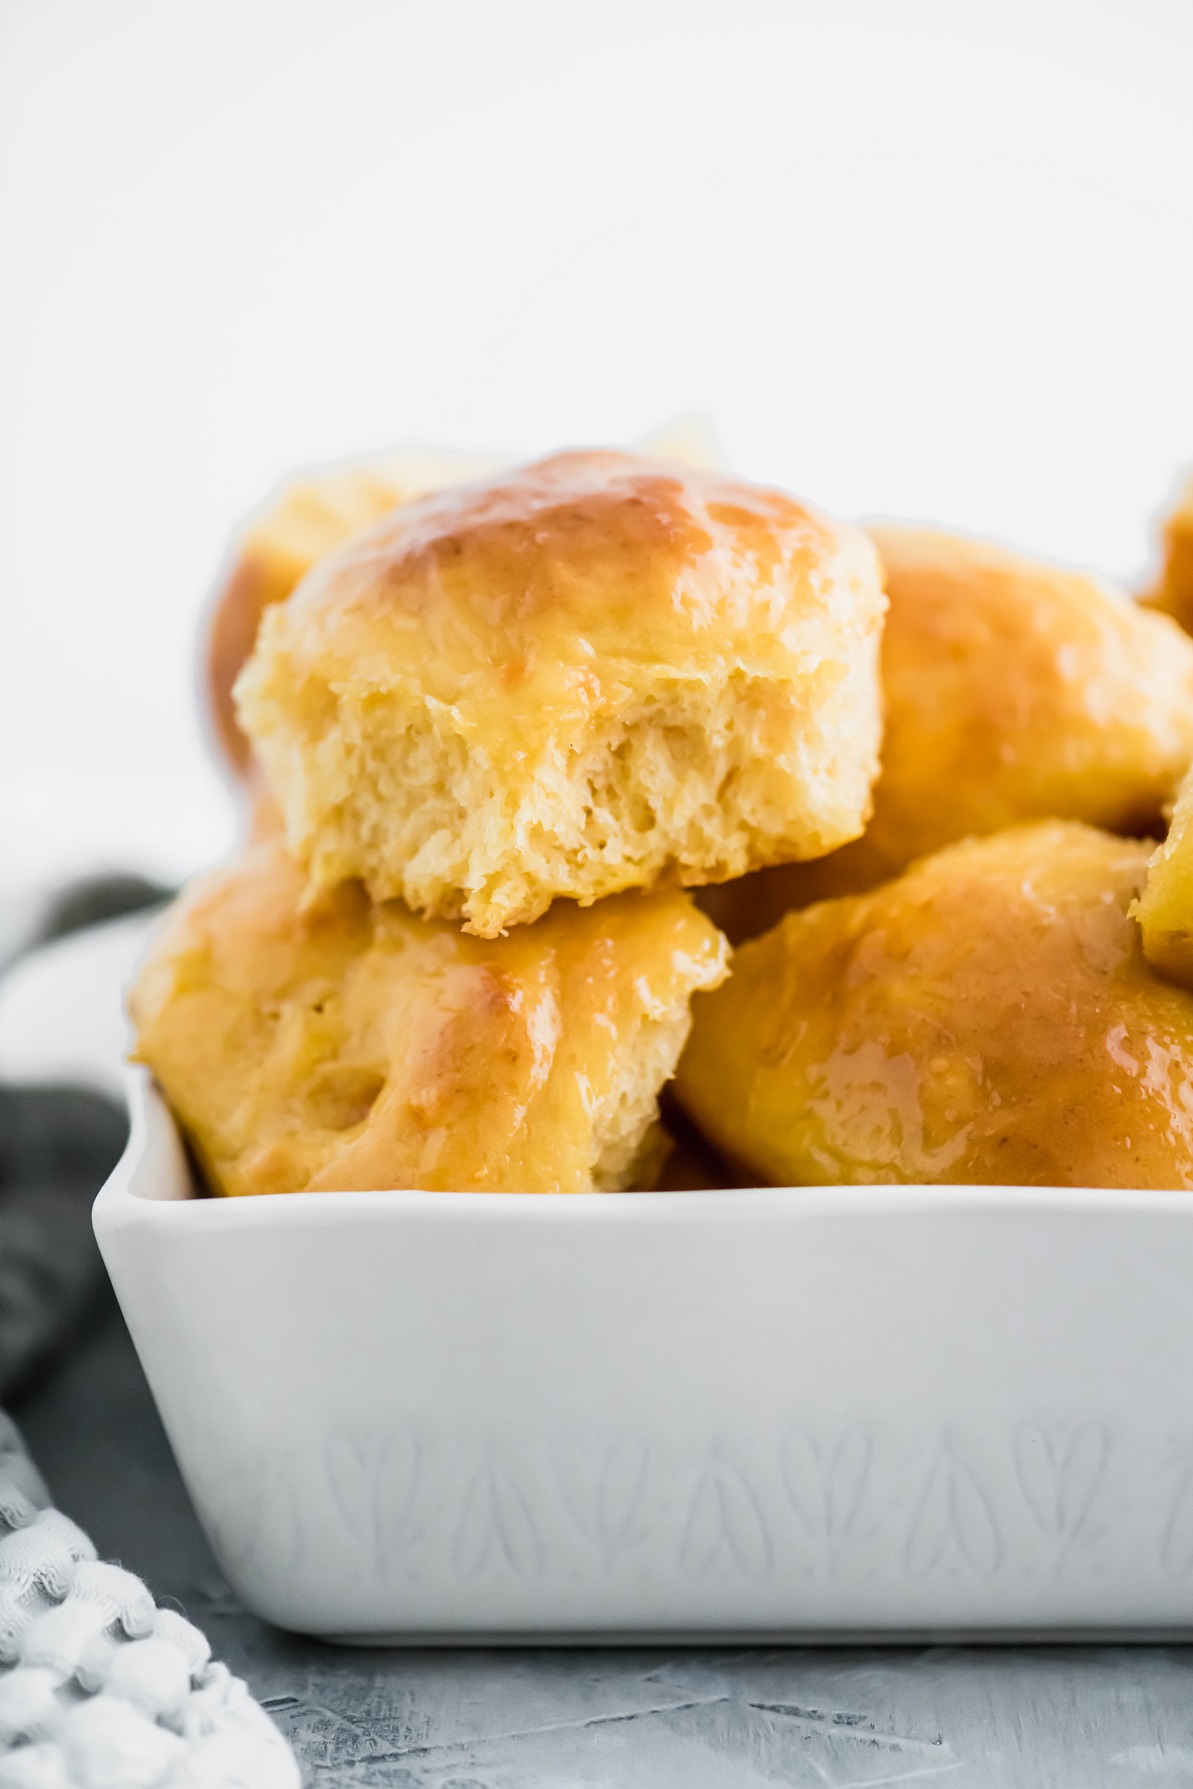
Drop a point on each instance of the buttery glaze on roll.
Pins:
(988, 1018)
(299, 524)
(338, 1045)
(588, 675)
(1015, 690)
(1165, 906)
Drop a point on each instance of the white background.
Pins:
(929, 258)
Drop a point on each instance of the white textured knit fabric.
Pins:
(99, 1688)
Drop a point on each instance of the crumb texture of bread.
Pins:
(987, 1018)
(307, 517)
(336, 1044)
(587, 676)
(1015, 690)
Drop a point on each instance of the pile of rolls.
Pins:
(611, 799)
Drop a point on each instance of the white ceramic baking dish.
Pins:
(783, 1412)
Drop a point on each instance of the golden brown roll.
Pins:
(578, 678)
(988, 1017)
(1165, 907)
(338, 1045)
(299, 523)
(1014, 690)
(1174, 591)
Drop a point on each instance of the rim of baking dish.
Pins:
(154, 1150)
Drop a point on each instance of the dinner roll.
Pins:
(336, 1044)
(1014, 690)
(580, 677)
(299, 523)
(989, 1017)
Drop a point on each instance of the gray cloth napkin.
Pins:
(99, 1688)
(57, 1147)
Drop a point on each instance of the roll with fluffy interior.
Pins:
(586, 676)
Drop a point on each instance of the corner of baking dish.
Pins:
(153, 1171)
